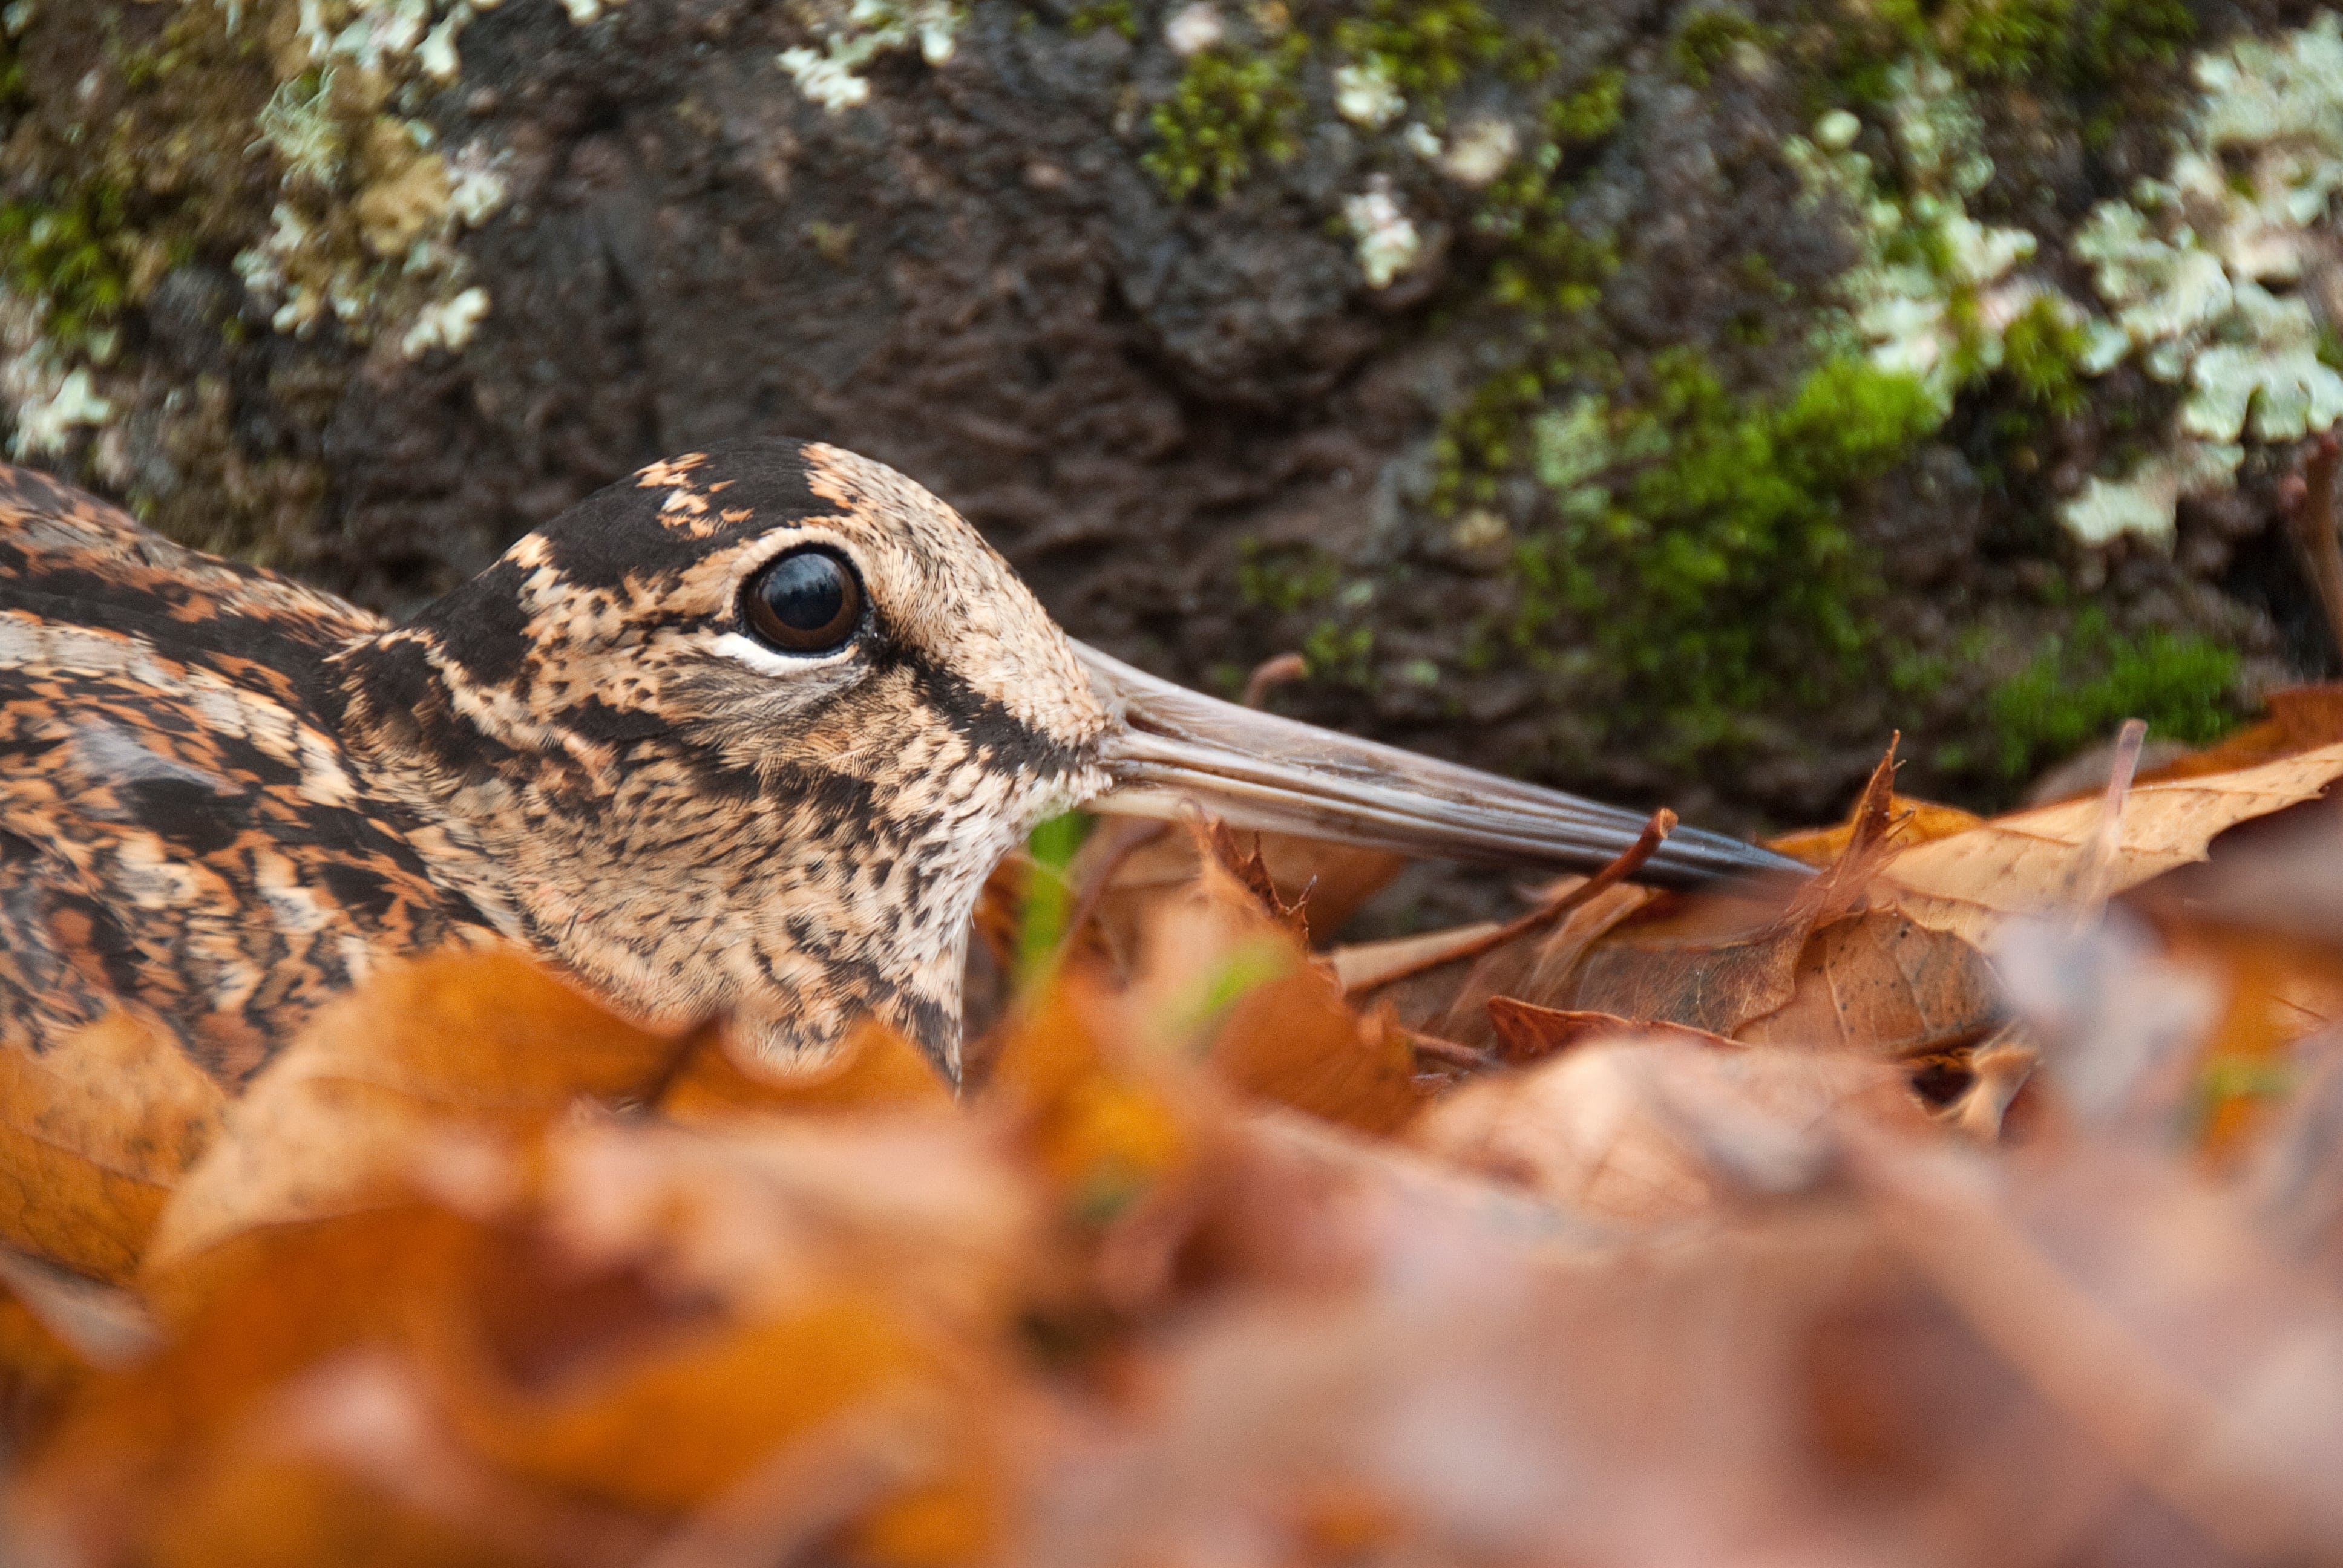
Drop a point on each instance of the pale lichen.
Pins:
(364, 232)
(1365, 95)
(1194, 28)
(1933, 291)
(2143, 503)
(50, 402)
(1387, 238)
(1480, 151)
(850, 39)
(2207, 275)
(364, 225)
(1570, 449)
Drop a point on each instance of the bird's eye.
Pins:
(808, 601)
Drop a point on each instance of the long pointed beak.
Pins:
(1261, 771)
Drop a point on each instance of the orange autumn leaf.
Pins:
(1103, 1127)
(1916, 821)
(1295, 1040)
(489, 1039)
(654, 1420)
(40, 1365)
(876, 1068)
(1225, 968)
(94, 1134)
(625, 1317)
(267, 1304)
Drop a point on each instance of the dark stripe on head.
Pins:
(619, 531)
(483, 627)
(994, 735)
(406, 698)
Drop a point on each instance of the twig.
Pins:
(1446, 1051)
(1272, 673)
(1625, 864)
(2307, 501)
(2095, 874)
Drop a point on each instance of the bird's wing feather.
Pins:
(180, 829)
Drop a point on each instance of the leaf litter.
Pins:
(1977, 1200)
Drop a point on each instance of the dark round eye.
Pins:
(808, 601)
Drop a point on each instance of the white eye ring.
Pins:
(746, 650)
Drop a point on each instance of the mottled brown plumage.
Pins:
(225, 797)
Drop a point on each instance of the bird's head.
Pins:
(748, 731)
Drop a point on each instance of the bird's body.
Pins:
(181, 829)
(743, 733)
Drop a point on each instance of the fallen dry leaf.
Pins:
(1220, 1262)
(1709, 964)
(1223, 966)
(485, 1038)
(1528, 1033)
(1323, 884)
(94, 1134)
(2025, 864)
(1450, 1001)
(630, 1319)
(876, 1068)
(1916, 821)
(1883, 985)
(1653, 1128)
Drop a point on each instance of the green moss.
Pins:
(66, 255)
(1589, 113)
(1114, 15)
(1426, 49)
(2003, 39)
(1229, 108)
(1709, 38)
(1545, 263)
(2081, 45)
(1722, 579)
(1283, 578)
(2042, 353)
(2085, 683)
(1333, 651)
(1486, 439)
(2117, 36)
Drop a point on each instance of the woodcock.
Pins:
(744, 732)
